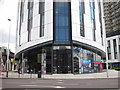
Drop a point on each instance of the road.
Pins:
(40, 83)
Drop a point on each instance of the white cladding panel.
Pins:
(87, 23)
(48, 17)
(25, 15)
(75, 18)
(24, 37)
(35, 33)
(36, 9)
(48, 20)
(36, 21)
(98, 30)
(48, 5)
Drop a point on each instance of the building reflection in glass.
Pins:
(86, 61)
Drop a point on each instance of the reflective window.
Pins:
(86, 61)
(42, 16)
(21, 20)
(92, 16)
(82, 11)
(30, 19)
(62, 59)
(61, 22)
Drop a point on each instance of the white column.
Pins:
(112, 49)
(117, 43)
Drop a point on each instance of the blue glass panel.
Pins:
(57, 34)
(80, 12)
(61, 25)
(61, 20)
(66, 21)
(67, 34)
(60, 7)
(62, 34)
(57, 20)
(91, 9)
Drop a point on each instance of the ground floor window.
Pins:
(63, 59)
(86, 61)
(114, 65)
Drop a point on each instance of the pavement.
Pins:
(111, 74)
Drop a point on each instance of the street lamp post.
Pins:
(106, 57)
(8, 48)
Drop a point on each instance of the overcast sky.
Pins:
(8, 10)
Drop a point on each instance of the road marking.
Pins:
(59, 82)
(59, 87)
(28, 85)
(43, 86)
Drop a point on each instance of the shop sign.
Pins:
(96, 62)
(86, 62)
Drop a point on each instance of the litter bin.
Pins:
(39, 74)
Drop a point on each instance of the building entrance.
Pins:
(62, 60)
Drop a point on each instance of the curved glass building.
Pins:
(61, 36)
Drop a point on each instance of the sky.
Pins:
(8, 10)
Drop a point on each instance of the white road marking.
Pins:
(29, 85)
(59, 82)
(59, 87)
(43, 86)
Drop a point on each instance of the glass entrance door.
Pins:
(62, 60)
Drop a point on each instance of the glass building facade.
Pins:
(63, 59)
(54, 47)
(86, 61)
(61, 22)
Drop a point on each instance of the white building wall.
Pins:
(103, 26)
(98, 29)
(36, 22)
(87, 23)
(88, 39)
(17, 29)
(118, 53)
(75, 18)
(48, 29)
(35, 32)
(117, 37)
(112, 49)
(49, 20)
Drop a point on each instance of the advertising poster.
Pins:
(44, 62)
(39, 58)
(87, 66)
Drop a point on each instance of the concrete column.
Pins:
(112, 49)
(117, 42)
(22, 63)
